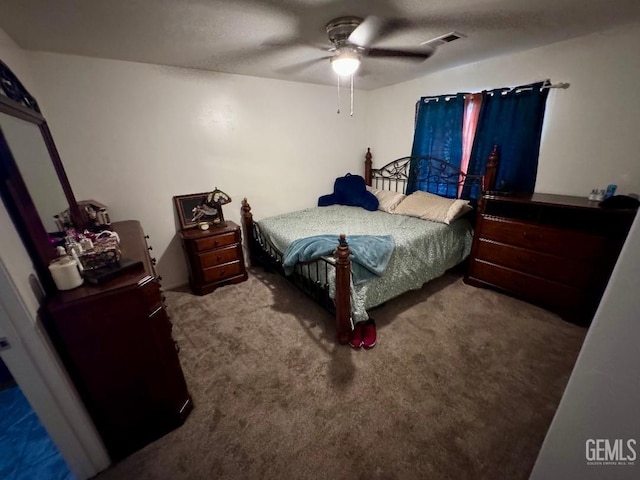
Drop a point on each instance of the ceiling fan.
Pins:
(352, 39)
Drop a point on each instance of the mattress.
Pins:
(424, 250)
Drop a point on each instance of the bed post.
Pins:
(343, 291)
(247, 230)
(367, 167)
(491, 171)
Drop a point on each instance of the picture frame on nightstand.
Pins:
(190, 214)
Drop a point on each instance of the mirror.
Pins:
(34, 185)
(34, 164)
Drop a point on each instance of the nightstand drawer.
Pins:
(222, 272)
(564, 243)
(575, 273)
(528, 287)
(219, 256)
(215, 241)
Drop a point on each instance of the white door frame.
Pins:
(37, 369)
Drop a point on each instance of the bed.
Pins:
(423, 250)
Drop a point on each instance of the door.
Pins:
(27, 449)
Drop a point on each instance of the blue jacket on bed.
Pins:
(350, 190)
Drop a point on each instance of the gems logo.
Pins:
(602, 451)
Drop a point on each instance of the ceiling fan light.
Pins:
(345, 63)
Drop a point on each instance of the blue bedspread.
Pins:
(370, 254)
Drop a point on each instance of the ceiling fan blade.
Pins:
(417, 56)
(292, 43)
(367, 32)
(300, 67)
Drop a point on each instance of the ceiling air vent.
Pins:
(442, 39)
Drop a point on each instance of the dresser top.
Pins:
(134, 247)
(549, 199)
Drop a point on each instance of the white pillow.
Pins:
(387, 200)
(433, 207)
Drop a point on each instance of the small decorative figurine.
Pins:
(211, 208)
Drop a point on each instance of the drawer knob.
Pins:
(531, 236)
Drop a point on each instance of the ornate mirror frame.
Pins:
(16, 101)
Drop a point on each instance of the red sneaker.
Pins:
(369, 334)
(355, 339)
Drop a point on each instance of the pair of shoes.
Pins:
(363, 335)
(369, 334)
(355, 339)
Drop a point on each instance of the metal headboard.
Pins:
(433, 175)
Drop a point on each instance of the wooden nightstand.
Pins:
(214, 257)
(552, 250)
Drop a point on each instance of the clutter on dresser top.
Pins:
(598, 195)
(92, 255)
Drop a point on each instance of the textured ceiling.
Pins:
(285, 39)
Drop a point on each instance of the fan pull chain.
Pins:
(338, 94)
(351, 95)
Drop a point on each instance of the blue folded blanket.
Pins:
(370, 254)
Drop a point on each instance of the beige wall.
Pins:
(590, 132)
(134, 135)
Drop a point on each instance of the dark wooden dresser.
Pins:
(214, 256)
(552, 250)
(115, 341)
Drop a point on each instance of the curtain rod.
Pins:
(563, 85)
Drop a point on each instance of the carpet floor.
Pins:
(463, 384)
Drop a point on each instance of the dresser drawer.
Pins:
(215, 241)
(219, 256)
(528, 287)
(161, 327)
(152, 295)
(222, 272)
(564, 243)
(575, 273)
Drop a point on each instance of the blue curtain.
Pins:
(511, 119)
(438, 134)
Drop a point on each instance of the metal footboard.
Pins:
(312, 278)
